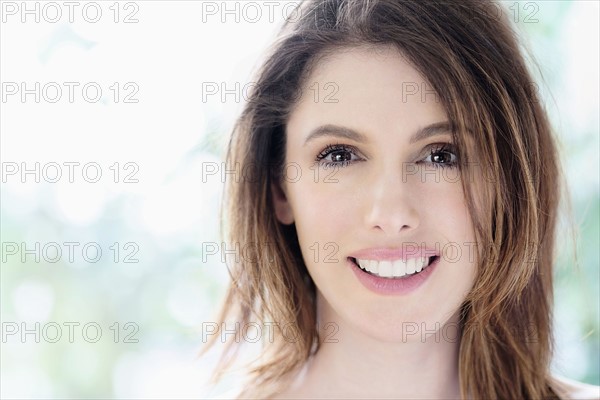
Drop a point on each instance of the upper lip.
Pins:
(388, 254)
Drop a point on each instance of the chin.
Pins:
(409, 329)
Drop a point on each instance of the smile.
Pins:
(394, 268)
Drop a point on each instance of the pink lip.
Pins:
(385, 254)
(393, 286)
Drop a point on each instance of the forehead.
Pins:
(369, 88)
(373, 61)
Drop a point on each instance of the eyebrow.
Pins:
(347, 133)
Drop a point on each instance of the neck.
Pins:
(351, 364)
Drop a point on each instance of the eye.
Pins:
(337, 155)
(442, 155)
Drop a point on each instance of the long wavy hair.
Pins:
(470, 54)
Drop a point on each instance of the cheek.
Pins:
(324, 216)
(447, 216)
(322, 213)
(443, 206)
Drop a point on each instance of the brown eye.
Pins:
(337, 156)
(443, 155)
(340, 156)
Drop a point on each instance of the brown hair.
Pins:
(469, 53)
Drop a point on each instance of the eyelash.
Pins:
(434, 149)
(332, 148)
(444, 148)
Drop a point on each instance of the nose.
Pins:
(392, 204)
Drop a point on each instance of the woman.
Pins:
(401, 209)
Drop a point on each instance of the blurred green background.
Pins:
(155, 283)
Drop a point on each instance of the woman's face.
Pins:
(370, 176)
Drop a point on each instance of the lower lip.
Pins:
(393, 286)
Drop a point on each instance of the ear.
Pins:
(283, 209)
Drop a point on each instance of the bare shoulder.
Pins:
(569, 389)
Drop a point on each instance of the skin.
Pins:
(373, 350)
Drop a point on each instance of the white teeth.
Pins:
(364, 264)
(411, 266)
(399, 268)
(373, 267)
(396, 268)
(419, 265)
(385, 268)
